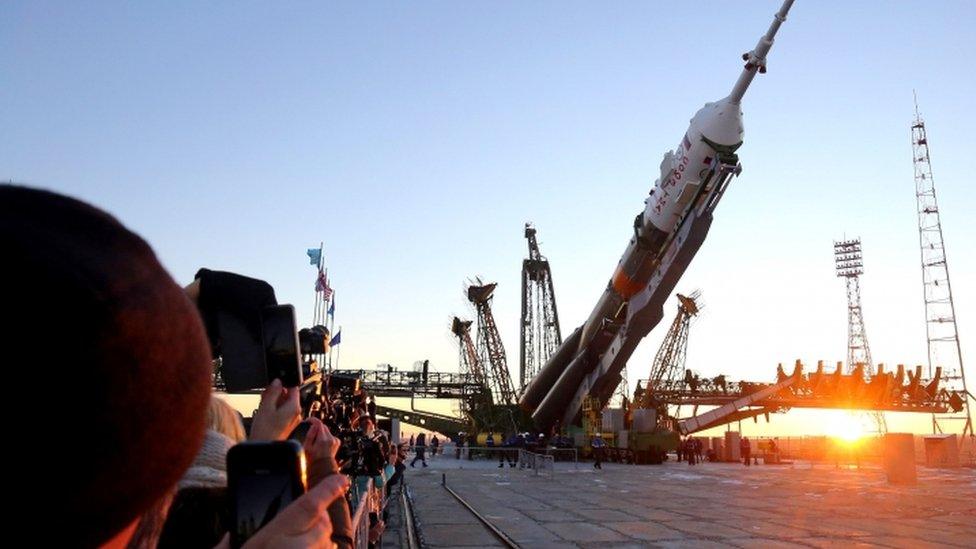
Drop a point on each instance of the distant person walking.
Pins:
(512, 446)
(773, 451)
(598, 446)
(435, 443)
(411, 443)
(490, 444)
(462, 446)
(421, 447)
(745, 448)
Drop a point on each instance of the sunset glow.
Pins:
(848, 428)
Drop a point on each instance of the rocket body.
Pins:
(717, 127)
(666, 235)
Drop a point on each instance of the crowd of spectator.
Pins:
(137, 440)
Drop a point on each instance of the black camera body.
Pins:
(255, 338)
(344, 387)
(361, 454)
(336, 405)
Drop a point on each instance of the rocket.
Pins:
(666, 236)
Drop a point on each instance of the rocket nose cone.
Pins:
(720, 122)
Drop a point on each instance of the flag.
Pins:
(314, 256)
(332, 309)
(337, 339)
(326, 290)
(322, 285)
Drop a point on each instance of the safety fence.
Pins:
(539, 464)
(365, 498)
(506, 454)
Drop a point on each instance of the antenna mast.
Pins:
(940, 312)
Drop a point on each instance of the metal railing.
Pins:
(360, 517)
(506, 453)
(563, 454)
(539, 464)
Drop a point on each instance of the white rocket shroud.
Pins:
(667, 234)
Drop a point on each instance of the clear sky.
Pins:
(415, 139)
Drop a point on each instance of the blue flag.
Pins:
(332, 308)
(314, 255)
(337, 339)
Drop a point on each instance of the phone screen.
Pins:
(263, 479)
(281, 345)
(242, 353)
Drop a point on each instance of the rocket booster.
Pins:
(676, 215)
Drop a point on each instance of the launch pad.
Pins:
(711, 505)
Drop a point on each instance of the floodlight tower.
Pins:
(940, 312)
(850, 265)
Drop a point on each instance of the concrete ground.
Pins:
(705, 505)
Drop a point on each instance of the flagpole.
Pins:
(330, 321)
(316, 309)
(331, 349)
(320, 321)
(325, 321)
(338, 350)
(318, 298)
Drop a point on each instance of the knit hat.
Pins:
(89, 308)
(209, 469)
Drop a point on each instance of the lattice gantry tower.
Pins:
(468, 362)
(669, 362)
(540, 334)
(491, 351)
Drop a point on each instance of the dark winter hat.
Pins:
(92, 315)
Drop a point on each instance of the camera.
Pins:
(254, 339)
(361, 454)
(342, 407)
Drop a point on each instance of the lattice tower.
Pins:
(940, 312)
(491, 351)
(850, 266)
(540, 333)
(669, 362)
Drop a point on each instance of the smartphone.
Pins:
(300, 432)
(281, 351)
(242, 352)
(262, 479)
